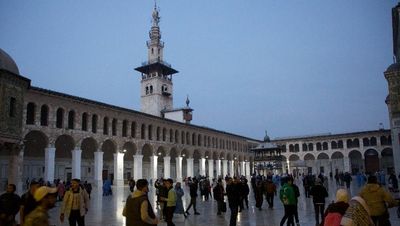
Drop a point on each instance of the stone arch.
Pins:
(161, 153)
(371, 161)
(109, 147)
(130, 150)
(147, 152)
(294, 157)
(387, 159)
(309, 157)
(356, 162)
(222, 155)
(337, 161)
(322, 156)
(229, 156)
(35, 143)
(215, 155)
(196, 162)
(64, 145)
(88, 146)
(337, 155)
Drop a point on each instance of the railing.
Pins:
(156, 61)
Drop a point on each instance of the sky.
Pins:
(291, 67)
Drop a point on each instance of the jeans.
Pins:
(319, 210)
(75, 217)
(234, 213)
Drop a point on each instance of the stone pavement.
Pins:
(107, 210)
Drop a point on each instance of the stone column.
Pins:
(231, 168)
(119, 169)
(189, 165)
(248, 173)
(211, 168)
(224, 168)
(395, 125)
(98, 168)
(202, 166)
(137, 165)
(49, 162)
(167, 167)
(153, 167)
(15, 168)
(178, 169)
(243, 168)
(218, 162)
(346, 163)
(76, 163)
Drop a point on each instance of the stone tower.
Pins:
(392, 75)
(156, 84)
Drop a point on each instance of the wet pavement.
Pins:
(107, 210)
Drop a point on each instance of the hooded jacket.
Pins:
(376, 197)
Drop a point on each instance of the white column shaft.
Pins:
(119, 169)
(167, 167)
(202, 166)
(218, 162)
(153, 167)
(211, 168)
(178, 161)
(346, 164)
(137, 165)
(248, 173)
(224, 168)
(98, 168)
(49, 162)
(76, 163)
(189, 165)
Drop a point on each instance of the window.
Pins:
(164, 134)
(158, 133)
(150, 132)
(319, 146)
(12, 110)
(71, 119)
(142, 131)
(44, 115)
(171, 135)
(325, 146)
(94, 123)
(133, 129)
(30, 114)
(114, 127)
(60, 118)
(84, 121)
(124, 128)
(105, 126)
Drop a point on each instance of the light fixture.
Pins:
(123, 151)
(206, 156)
(159, 153)
(183, 155)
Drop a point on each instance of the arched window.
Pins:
(383, 140)
(114, 127)
(84, 121)
(324, 146)
(151, 89)
(187, 138)
(44, 115)
(60, 118)
(71, 119)
(296, 148)
(158, 133)
(366, 142)
(105, 126)
(171, 136)
(164, 134)
(94, 123)
(291, 148)
(150, 132)
(356, 143)
(349, 143)
(30, 113)
(133, 129)
(310, 147)
(143, 132)
(334, 145)
(199, 140)
(124, 128)
(373, 141)
(340, 144)
(304, 146)
(176, 136)
(182, 137)
(193, 139)
(319, 146)
(13, 107)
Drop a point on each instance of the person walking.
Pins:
(270, 192)
(138, 210)
(259, 191)
(75, 204)
(179, 204)
(233, 193)
(218, 193)
(193, 186)
(171, 202)
(9, 206)
(28, 202)
(288, 198)
(46, 198)
(378, 200)
(335, 211)
(358, 213)
(319, 193)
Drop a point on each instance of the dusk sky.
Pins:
(292, 67)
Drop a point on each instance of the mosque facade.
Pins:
(52, 135)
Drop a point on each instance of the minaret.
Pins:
(392, 75)
(156, 84)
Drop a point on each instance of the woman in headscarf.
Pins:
(179, 204)
(358, 213)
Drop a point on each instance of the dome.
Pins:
(7, 63)
(393, 67)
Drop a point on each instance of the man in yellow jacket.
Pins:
(75, 204)
(378, 200)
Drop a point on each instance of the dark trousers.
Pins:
(381, 220)
(270, 199)
(319, 210)
(290, 211)
(192, 203)
(234, 213)
(169, 214)
(220, 203)
(75, 217)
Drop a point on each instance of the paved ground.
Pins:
(107, 211)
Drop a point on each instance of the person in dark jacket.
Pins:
(244, 191)
(193, 186)
(259, 191)
(319, 193)
(219, 195)
(28, 203)
(233, 193)
(138, 210)
(9, 206)
(270, 191)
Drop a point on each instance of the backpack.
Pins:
(333, 219)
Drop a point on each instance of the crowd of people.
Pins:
(368, 207)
